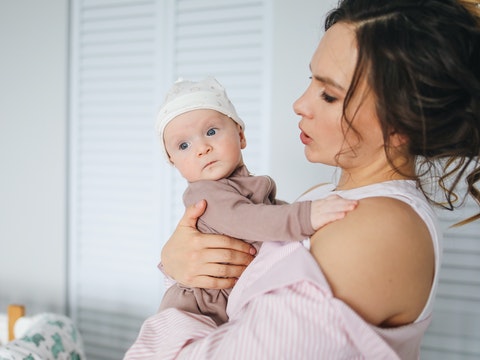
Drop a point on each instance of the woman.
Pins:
(394, 103)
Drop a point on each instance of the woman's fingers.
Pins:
(225, 256)
(206, 265)
(227, 276)
(193, 258)
(222, 242)
(211, 275)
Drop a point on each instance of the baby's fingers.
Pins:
(334, 203)
(330, 209)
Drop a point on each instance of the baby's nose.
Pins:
(204, 149)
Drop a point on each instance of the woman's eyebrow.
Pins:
(327, 80)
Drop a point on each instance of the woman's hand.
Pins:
(204, 260)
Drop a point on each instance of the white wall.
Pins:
(33, 94)
(297, 28)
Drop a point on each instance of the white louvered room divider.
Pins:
(455, 330)
(124, 199)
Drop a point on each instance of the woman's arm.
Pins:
(204, 260)
(379, 260)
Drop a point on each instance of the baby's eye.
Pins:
(183, 146)
(211, 132)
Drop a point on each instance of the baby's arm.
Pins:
(233, 214)
(331, 208)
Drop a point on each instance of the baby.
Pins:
(203, 137)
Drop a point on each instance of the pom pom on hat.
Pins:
(186, 96)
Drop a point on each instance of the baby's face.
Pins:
(204, 144)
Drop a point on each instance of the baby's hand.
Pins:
(330, 209)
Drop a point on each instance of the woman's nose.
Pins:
(300, 106)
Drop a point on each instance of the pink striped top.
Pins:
(281, 308)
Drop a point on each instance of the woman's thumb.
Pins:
(192, 213)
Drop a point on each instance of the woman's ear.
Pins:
(397, 139)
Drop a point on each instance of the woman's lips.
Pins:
(305, 139)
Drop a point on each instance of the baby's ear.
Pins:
(243, 139)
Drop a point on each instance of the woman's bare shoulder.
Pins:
(379, 259)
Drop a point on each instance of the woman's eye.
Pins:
(183, 146)
(328, 98)
(211, 132)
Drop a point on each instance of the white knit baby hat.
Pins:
(188, 95)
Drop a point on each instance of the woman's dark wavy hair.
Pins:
(422, 61)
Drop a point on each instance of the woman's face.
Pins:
(321, 125)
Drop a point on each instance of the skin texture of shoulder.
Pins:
(379, 260)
